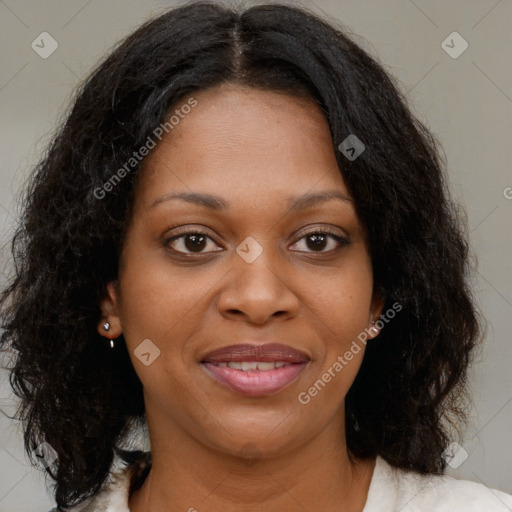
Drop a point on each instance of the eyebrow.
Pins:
(217, 203)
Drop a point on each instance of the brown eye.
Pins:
(193, 242)
(318, 241)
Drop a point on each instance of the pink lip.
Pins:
(256, 382)
(267, 352)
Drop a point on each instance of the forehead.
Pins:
(245, 142)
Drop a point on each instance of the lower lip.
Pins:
(255, 382)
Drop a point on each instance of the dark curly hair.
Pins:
(78, 395)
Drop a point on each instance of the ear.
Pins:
(109, 305)
(376, 308)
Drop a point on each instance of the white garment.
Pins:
(391, 490)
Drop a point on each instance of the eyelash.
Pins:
(341, 241)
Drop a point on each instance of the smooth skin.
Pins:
(214, 449)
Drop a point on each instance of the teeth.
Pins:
(266, 366)
(253, 365)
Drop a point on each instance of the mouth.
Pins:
(255, 370)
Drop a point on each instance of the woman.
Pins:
(241, 238)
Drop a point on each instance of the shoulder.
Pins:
(442, 493)
(411, 492)
(131, 463)
(114, 495)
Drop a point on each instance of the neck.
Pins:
(188, 475)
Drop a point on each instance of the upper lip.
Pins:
(267, 352)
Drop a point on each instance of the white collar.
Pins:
(114, 495)
(390, 489)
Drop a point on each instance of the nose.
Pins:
(258, 291)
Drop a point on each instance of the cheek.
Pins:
(342, 302)
(155, 322)
(154, 299)
(164, 305)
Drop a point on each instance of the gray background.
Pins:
(466, 101)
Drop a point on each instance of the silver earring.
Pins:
(106, 327)
(374, 328)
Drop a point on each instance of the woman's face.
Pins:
(256, 274)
